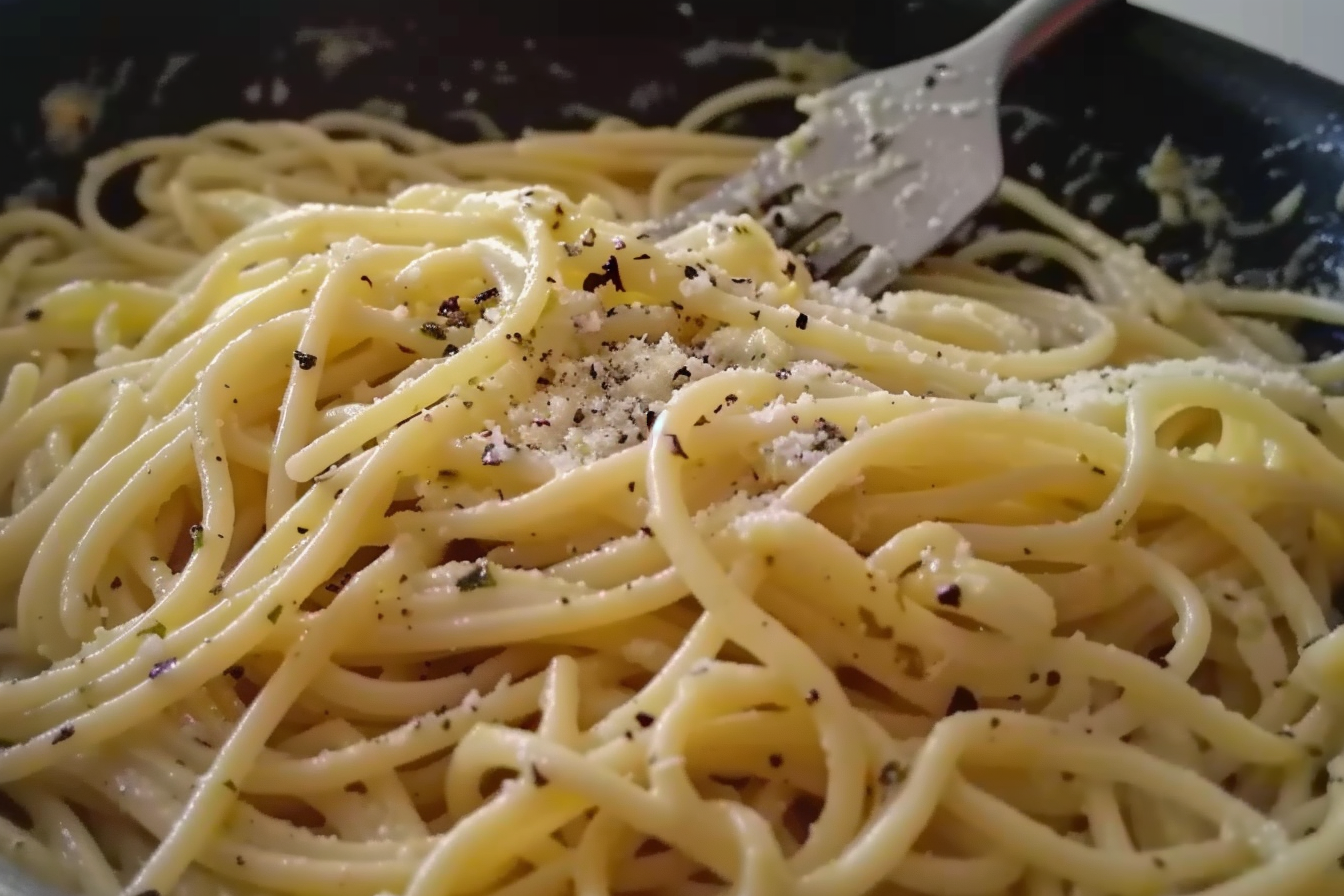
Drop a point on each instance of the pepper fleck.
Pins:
(644, 719)
(65, 732)
(487, 294)
(962, 701)
(434, 330)
(305, 360)
(801, 323)
(33, 314)
(950, 595)
(676, 446)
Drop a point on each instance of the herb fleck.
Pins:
(479, 577)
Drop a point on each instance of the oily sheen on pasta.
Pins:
(383, 515)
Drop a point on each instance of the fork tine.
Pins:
(798, 219)
(832, 249)
(874, 274)
(747, 193)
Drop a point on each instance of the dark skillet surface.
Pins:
(1119, 86)
(1122, 84)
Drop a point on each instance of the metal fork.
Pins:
(890, 163)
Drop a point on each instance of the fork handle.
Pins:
(1030, 25)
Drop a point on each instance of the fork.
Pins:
(891, 163)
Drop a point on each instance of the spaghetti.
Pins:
(379, 520)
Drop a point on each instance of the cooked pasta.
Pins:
(383, 515)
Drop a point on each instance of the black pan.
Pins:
(1127, 80)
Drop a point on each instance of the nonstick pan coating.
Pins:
(1103, 99)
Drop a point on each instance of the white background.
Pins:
(1308, 32)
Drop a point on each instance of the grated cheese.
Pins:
(70, 113)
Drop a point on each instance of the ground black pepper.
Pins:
(305, 360)
(962, 701)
